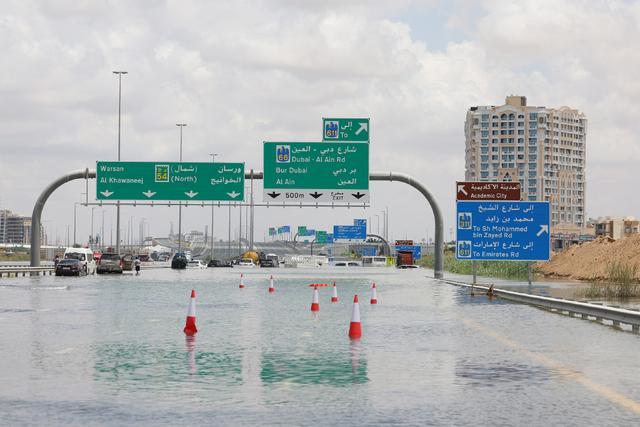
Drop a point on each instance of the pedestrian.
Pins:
(56, 260)
(136, 264)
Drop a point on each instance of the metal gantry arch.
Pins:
(252, 174)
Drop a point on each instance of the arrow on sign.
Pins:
(233, 194)
(363, 127)
(149, 193)
(315, 195)
(191, 194)
(543, 229)
(358, 195)
(106, 193)
(461, 189)
(274, 194)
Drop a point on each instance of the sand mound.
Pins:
(588, 261)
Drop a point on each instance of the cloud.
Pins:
(243, 72)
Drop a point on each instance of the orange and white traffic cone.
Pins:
(190, 326)
(241, 281)
(374, 294)
(355, 328)
(315, 304)
(334, 298)
(271, 288)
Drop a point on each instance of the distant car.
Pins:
(218, 263)
(196, 263)
(70, 267)
(84, 255)
(127, 262)
(268, 263)
(245, 263)
(179, 261)
(109, 263)
(408, 266)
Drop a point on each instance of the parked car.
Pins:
(85, 256)
(218, 263)
(70, 267)
(245, 263)
(268, 263)
(109, 263)
(179, 261)
(127, 262)
(196, 263)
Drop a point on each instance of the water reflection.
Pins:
(190, 341)
(123, 364)
(491, 373)
(335, 369)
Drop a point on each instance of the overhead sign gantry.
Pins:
(178, 181)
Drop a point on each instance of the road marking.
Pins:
(604, 391)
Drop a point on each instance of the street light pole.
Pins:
(75, 205)
(213, 160)
(92, 239)
(180, 125)
(119, 74)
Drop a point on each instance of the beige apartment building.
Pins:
(543, 148)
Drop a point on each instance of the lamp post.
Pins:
(377, 224)
(92, 239)
(119, 74)
(180, 125)
(75, 205)
(213, 160)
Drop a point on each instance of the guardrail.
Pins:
(585, 310)
(14, 271)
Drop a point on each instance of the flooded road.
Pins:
(110, 350)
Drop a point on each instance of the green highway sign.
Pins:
(316, 172)
(321, 236)
(302, 230)
(345, 130)
(170, 181)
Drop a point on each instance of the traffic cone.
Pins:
(334, 298)
(355, 328)
(241, 281)
(315, 304)
(271, 288)
(374, 294)
(190, 326)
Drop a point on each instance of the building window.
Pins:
(484, 141)
(484, 175)
(485, 117)
(485, 125)
(533, 116)
(485, 133)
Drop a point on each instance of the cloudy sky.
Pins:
(241, 72)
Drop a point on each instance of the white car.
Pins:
(85, 256)
(245, 263)
(196, 263)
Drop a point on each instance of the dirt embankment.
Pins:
(589, 261)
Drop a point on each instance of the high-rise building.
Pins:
(14, 228)
(543, 148)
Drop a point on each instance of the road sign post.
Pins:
(170, 181)
(316, 172)
(345, 130)
(503, 231)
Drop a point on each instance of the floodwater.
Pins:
(110, 350)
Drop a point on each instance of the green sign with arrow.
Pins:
(170, 181)
(345, 130)
(316, 172)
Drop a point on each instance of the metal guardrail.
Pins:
(586, 310)
(23, 270)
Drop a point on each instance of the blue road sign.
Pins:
(286, 229)
(507, 231)
(329, 237)
(367, 250)
(360, 222)
(349, 233)
(416, 249)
